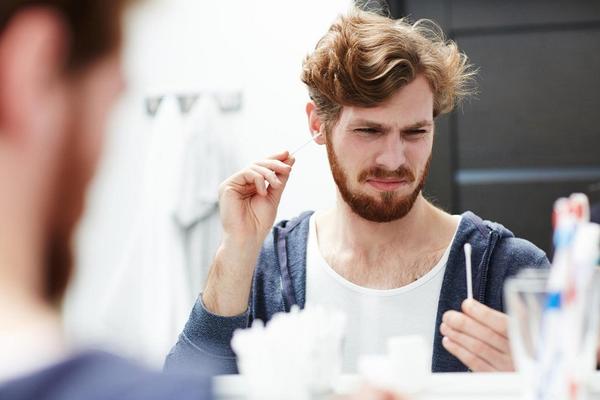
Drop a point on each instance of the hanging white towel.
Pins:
(148, 300)
(210, 158)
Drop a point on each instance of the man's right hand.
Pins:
(248, 207)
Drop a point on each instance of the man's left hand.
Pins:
(478, 337)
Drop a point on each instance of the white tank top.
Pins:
(373, 315)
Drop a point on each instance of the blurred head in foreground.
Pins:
(59, 76)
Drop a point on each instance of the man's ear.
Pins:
(314, 123)
(33, 50)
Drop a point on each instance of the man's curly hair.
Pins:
(364, 58)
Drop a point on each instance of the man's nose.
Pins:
(391, 155)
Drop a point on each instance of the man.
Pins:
(385, 255)
(59, 75)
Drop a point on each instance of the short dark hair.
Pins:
(94, 25)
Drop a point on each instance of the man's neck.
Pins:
(21, 265)
(19, 309)
(31, 334)
(30, 328)
(384, 254)
(21, 300)
(416, 229)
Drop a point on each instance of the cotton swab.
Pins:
(469, 271)
(305, 144)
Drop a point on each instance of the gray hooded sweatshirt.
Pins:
(280, 282)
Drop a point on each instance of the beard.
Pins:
(389, 206)
(65, 210)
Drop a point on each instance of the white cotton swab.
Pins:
(305, 144)
(469, 271)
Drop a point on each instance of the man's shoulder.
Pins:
(293, 224)
(521, 252)
(499, 241)
(293, 232)
(497, 253)
(101, 375)
(285, 245)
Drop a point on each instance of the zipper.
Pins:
(287, 289)
(493, 239)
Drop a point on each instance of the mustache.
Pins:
(402, 173)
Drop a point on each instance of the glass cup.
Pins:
(526, 298)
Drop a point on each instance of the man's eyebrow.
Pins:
(377, 125)
(418, 125)
(369, 124)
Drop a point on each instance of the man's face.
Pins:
(380, 156)
(91, 95)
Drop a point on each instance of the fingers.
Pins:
(467, 325)
(259, 181)
(496, 320)
(473, 362)
(245, 183)
(267, 174)
(281, 164)
(498, 360)
(279, 167)
(274, 171)
(478, 337)
(253, 180)
(283, 156)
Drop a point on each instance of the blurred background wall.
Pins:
(214, 85)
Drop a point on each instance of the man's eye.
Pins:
(416, 132)
(366, 130)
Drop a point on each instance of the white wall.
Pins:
(191, 45)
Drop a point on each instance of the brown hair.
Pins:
(364, 58)
(95, 25)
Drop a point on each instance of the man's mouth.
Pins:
(387, 185)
